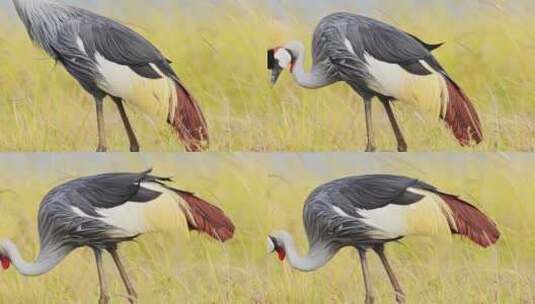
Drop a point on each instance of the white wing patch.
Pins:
(428, 217)
(349, 46)
(121, 81)
(118, 80)
(149, 96)
(427, 66)
(390, 79)
(340, 212)
(133, 218)
(80, 44)
(390, 221)
(80, 213)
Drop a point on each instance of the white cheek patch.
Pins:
(283, 57)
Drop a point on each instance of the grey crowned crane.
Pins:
(367, 212)
(378, 60)
(103, 211)
(109, 59)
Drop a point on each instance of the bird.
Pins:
(378, 60)
(367, 212)
(103, 211)
(109, 59)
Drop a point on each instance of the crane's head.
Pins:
(278, 59)
(276, 244)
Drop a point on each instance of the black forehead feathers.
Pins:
(271, 61)
(275, 242)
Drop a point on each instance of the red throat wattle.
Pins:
(281, 253)
(5, 262)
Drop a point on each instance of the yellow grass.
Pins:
(263, 193)
(219, 52)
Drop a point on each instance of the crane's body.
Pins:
(377, 60)
(366, 212)
(110, 60)
(104, 210)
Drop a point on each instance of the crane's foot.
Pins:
(371, 148)
(402, 148)
(104, 299)
(400, 297)
(369, 299)
(102, 149)
(134, 149)
(132, 299)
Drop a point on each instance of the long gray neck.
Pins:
(42, 19)
(44, 263)
(27, 9)
(315, 79)
(316, 258)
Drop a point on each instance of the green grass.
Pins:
(221, 58)
(263, 193)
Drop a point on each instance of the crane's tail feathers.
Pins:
(186, 117)
(461, 116)
(468, 221)
(205, 217)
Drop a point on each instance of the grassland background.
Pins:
(218, 49)
(265, 192)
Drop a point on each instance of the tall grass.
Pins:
(219, 52)
(262, 193)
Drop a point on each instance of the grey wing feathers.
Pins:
(106, 191)
(384, 42)
(329, 47)
(121, 45)
(66, 50)
(114, 41)
(372, 191)
(351, 194)
(59, 226)
(57, 219)
(430, 47)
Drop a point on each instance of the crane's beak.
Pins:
(275, 74)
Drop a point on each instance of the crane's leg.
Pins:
(132, 295)
(104, 298)
(100, 125)
(402, 144)
(370, 298)
(134, 145)
(370, 147)
(400, 295)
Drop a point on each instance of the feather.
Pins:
(205, 217)
(468, 221)
(461, 116)
(187, 119)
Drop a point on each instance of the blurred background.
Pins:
(263, 193)
(310, 8)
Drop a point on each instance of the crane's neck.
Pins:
(316, 258)
(26, 7)
(43, 20)
(315, 79)
(44, 263)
